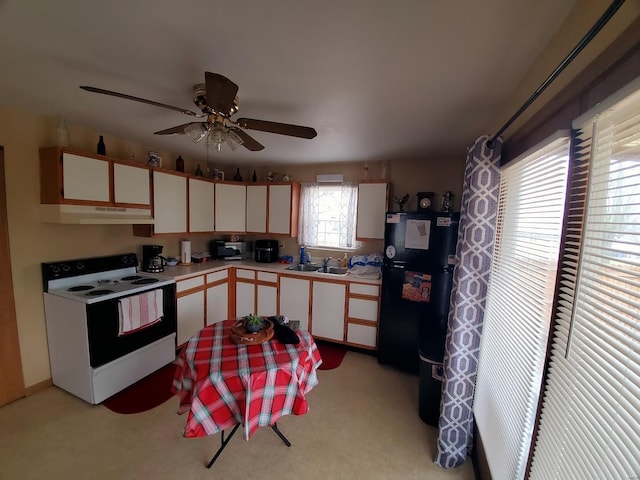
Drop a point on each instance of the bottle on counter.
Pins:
(303, 255)
(102, 148)
(198, 172)
(345, 261)
(179, 164)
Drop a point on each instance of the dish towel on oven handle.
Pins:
(140, 311)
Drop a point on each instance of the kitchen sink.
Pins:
(304, 267)
(334, 271)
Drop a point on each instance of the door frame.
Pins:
(11, 378)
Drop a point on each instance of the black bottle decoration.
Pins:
(237, 177)
(102, 149)
(179, 164)
(254, 177)
(198, 171)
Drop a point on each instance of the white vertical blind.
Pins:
(519, 303)
(590, 420)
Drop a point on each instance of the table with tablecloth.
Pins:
(221, 384)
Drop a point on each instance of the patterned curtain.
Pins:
(475, 248)
(319, 203)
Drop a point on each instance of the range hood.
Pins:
(96, 215)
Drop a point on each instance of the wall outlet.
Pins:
(281, 245)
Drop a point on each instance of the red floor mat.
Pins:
(145, 394)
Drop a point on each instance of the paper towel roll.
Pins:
(185, 251)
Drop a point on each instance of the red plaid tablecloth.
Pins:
(221, 384)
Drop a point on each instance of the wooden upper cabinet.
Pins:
(372, 206)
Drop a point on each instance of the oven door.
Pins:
(103, 324)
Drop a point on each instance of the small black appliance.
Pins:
(152, 261)
(266, 251)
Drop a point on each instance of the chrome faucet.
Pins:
(325, 263)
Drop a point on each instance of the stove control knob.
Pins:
(55, 269)
(79, 266)
(65, 267)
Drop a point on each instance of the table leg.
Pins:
(223, 443)
(280, 434)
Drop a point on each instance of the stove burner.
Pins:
(80, 288)
(144, 281)
(99, 292)
(131, 277)
(107, 282)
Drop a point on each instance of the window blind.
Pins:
(590, 419)
(519, 303)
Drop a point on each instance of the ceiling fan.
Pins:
(217, 100)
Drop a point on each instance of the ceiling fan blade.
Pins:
(279, 128)
(138, 99)
(221, 93)
(248, 141)
(176, 130)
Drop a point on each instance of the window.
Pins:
(328, 215)
(589, 424)
(519, 303)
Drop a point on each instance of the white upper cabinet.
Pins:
(256, 209)
(85, 178)
(201, 205)
(230, 207)
(280, 204)
(372, 206)
(131, 185)
(169, 203)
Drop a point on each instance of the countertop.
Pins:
(181, 272)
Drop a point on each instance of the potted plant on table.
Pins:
(253, 323)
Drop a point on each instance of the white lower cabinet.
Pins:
(190, 310)
(217, 297)
(267, 297)
(295, 294)
(245, 299)
(328, 310)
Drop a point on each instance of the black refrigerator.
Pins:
(417, 273)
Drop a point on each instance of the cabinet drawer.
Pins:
(363, 309)
(217, 276)
(362, 334)
(362, 289)
(189, 283)
(248, 274)
(268, 277)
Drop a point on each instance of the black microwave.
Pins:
(266, 251)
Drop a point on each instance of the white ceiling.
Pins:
(376, 79)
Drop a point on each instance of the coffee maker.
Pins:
(152, 261)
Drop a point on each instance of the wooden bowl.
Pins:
(240, 335)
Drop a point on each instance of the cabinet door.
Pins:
(256, 208)
(131, 185)
(363, 335)
(230, 207)
(201, 205)
(280, 209)
(295, 294)
(217, 303)
(245, 299)
(85, 178)
(372, 206)
(169, 203)
(327, 310)
(190, 310)
(267, 300)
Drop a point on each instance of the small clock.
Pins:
(425, 201)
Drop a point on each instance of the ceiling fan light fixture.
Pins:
(196, 132)
(233, 140)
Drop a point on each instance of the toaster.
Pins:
(266, 251)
